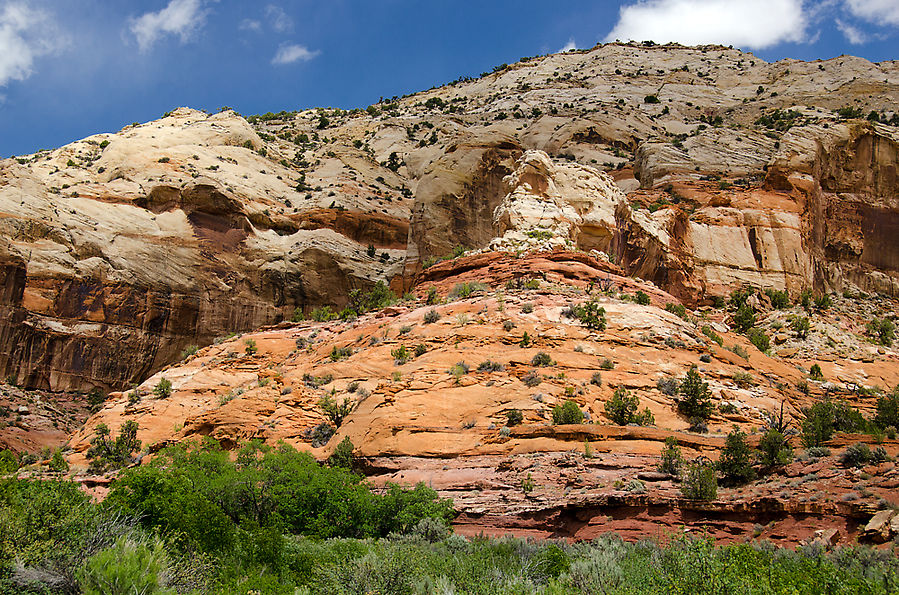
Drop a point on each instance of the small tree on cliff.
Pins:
(106, 453)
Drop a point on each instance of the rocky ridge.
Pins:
(120, 250)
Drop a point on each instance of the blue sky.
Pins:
(69, 69)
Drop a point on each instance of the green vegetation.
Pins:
(735, 462)
(335, 411)
(106, 453)
(882, 331)
(760, 339)
(695, 399)
(672, 460)
(567, 413)
(641, 298)
(163, 389)
(464, 290)
(826, 417)
(591, 315)
(621, 409)
(514, 417)
(542, 359)
(699, 480)
(774, 450)
(276, 523)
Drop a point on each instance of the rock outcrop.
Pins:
(119, 250)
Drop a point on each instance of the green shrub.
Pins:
(128, 567)
(596, 379)
(163, 389)
(779, 299)
(641, 298)
(711, 334)
(431, 316)
(9, 461)
(815, 372)
(567, 413)
(882, 331)
(323, 314)
(514, 417)
(542, 359)
(400, 355)
(335, 412)
(58, 463)
(856, 455)
(343, 454)
(801, 326)
(606, 364)
(888, 410)
(744, 319)
(695, 402)
(743, 379)
(339, 353)
(735, 463)
(818, 425)
(490, 366)
(464, 290)
(774, 450)
(621, 409)
(760, 339)
(699, 481)
(532, 379)
(668, 385)
(677, 309)
(591, 315)
(106, 453)
(672, 461)
(250, 346)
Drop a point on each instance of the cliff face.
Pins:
(119, 250)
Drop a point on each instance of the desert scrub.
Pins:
(464, 290)
(542, 359)
(567, 413)
(621, 409)
(431, 316)
(339, 353)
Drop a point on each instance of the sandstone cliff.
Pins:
(119, 250)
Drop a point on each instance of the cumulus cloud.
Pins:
(853, 35)
(743, 23)
(879, 12)
(179, 17)
(288, 54)
(25, 34)
(280, 20)
(568, 46)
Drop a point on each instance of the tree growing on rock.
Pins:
(695, 400)
(735, 463)
(106, 453)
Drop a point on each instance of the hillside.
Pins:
(120, 250)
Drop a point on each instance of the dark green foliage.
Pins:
(738, 298)
(591, 315)
(711, 334)
(815, 372)
(464, 290)
(641, 298)
(621, 409)
(514, 417)
(774, 450)
(856, 455)
(760, 339)
(801, 326)
(672, 461)
(699, 481)
(163, 389)
(695, 400)
(677, 309)
(779, 299)
(650, 99)
(9, 461)
(826, 417)
(201, 493)
(735, 463)
(106, 453)
(542, 359)
(744, 319)
(887, 414)
(342, 455)
(334, 411)
(57, 462)
(378, 297)
(882, 331)
(431, 316)
(567, 413)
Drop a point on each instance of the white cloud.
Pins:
(568, 46)
(853, 35)
(288, 54)
(179, 17)
(280, 20)
(879, 12)
(25, 34)
(743, 23)
(250, 25)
